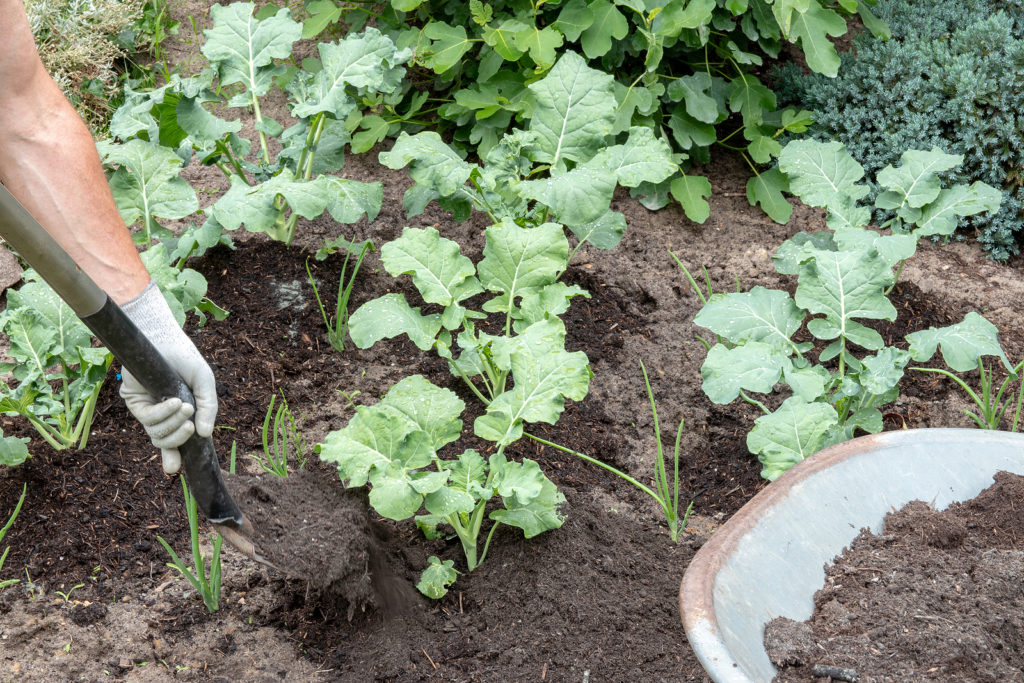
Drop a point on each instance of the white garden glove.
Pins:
(168, 423)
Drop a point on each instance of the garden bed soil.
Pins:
(594, 600)
(936, 596)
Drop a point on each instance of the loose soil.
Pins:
(936, 596)
(594, 600)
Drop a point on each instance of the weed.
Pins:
(3, 532)
(206, 582)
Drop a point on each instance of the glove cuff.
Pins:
(151, 314)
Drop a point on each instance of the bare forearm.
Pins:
(48, 161)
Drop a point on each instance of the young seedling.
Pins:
(67, 595)
(279, 432)
(206, 582)
(962, 356)
(666, 491)
(3, 532)
(337, 327)
(843, 276)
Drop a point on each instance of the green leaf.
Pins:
(916, 182)
(760, 315)
(519, 260)
(373, 129)
(32, 339)
(70, 333)
(766, 189)
(694, 92)
(469, 474)
(843, 285)
(812, 29)
(574, 113)
(447, 47)
(575, 18)
(534, 515)
(541, 43)
(365, 60)
(203, 128)
(550, 300)
(545, 375)
(13, 450)
(437, 577)
(763, 148)
(147, 184)
(962, 344)
(940, 217)
(609, 24)
(503, 39)
(878, 28)
(642, 158)
(795, 431)
(749, 97)
(431, 162)
(682, 14)
(523, 480)
(575, 197)
(375, 442)
(243, 49)
(821, 173)
(807, 383)
(884, 370)
(790, 253)
(390, 316)
(892, 248)
(690, 191)
(440, 272)
(348, 200)
(754, 366)
(431, 409)
(604, 233)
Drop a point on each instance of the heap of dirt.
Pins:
(936, 596)
(313, 530)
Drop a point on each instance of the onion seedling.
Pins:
(991, 408)
(666, 491)
(281, 432)
(337, 328)
(5, 529)
(206, 583)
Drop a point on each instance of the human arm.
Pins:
(49, 162)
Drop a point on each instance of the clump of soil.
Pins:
(313, 530)
(936, 596)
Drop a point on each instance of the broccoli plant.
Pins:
(393, 445)
(57, 372)
(519, 271)
(164, 127)
(843, 278)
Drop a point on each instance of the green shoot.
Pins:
(666, 491)
(67, 596)
(207, 583)
(991, 407)
(337, 327)
(279, 431)
(5, 529)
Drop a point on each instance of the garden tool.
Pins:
(135, 352)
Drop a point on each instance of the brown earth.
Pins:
(597, 595)
(936, 596)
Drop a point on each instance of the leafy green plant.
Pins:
(954, 92)
(183, 288)
(165, 126)
(393, 445)
(205, 581)
(568, 140)
(3, 532)
(990, 402)
(389, 443)
(58, 373)
(843, 277)
(280, 434)
(685, 70)
(337, 327)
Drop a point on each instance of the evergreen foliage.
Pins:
(952, 76)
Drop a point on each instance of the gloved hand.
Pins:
(168, 423)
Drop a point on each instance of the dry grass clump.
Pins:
(77, 42)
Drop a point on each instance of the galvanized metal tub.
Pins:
(768, 560)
